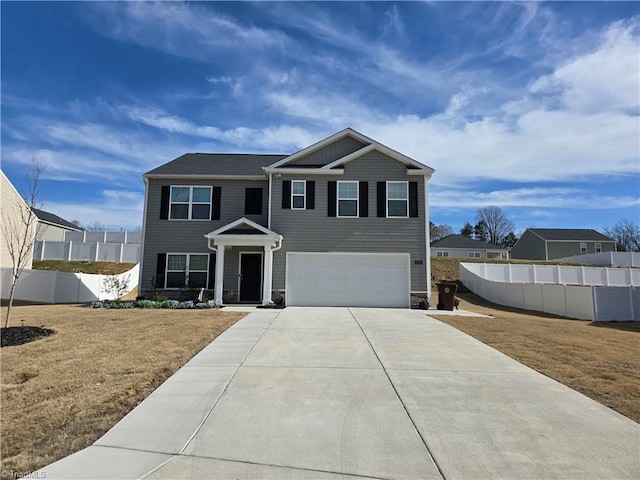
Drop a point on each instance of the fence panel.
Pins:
(521, 273)
(83, 251)
(579, 302)
(532, 296)
(615, 303)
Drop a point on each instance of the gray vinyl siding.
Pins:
(529, 247)
(464, 252)
(330, 153)
(569, 249)
(315, 231)
(187, 236)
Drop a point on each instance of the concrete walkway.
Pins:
(310, 393)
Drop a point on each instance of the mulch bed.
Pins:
(13, 336)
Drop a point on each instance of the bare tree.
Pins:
(437, 232)
(626, 234)
(96, 226)
(497, 223)
(18, 231)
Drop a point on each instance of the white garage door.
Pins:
(348, 279)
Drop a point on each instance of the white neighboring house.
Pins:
(12, 208)
(459, 246)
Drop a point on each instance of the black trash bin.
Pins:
(446, 295)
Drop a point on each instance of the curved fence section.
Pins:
(588, 293)
(44, 286)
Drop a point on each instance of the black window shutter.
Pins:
(382, 199)
(413, 199)
(253, 201)
(216, 196)
(286, 194)
(331, 198)
(311, 194)
(212, 271)
(160, 270)
(164, 202)
(364, 198)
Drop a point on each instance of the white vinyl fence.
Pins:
(104, 237)
(44, 286)
(588, 293)
(607, 259)
(85, 251)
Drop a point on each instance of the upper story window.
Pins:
(583, 247)
(397, 199)
(190, 203)
(253, 201)
(347, 199)
(598, 247)
(298, 194)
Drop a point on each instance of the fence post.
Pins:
(534, 277)
(53, 287)
(97, 248)
(509, 273)
(559, 272)
(582, 275)
(122, 247)
(629, 276)
(70, 248)
(44, 244)
(606, 276)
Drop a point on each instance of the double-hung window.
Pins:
(347, 199)
(187, 270)
(298, 194)
(190, 203)
(583, 247)
(474, 254)
(442, 254)
(397, 199)
(598, 247)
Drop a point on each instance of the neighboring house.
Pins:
(52, 227)
(553, 243)
(342, 222)
(457, 245)
(12, 207)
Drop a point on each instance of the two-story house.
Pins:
(343, 222)
(554, 243)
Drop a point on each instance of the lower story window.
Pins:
(474, 254)
(187, 270)
(598, 247)
(442, 254)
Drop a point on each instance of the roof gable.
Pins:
(371, 145)
(242, 226)
(53, 219)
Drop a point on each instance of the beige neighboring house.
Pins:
(459, 246)
(51, 227)
(12, 207)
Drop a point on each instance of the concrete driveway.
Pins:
(358, 393)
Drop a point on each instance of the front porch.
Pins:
(254, 246)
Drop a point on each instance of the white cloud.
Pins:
(114, 208)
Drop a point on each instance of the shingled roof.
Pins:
(54, 219)
(460, 241)
(216, 164)
(571, 234)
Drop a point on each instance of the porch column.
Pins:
(219, 273)
(267, 281)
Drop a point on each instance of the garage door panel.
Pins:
(348, 279)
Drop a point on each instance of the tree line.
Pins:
(492, 226)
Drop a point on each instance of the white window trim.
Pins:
(442, 254)
(585, 247)
(474, 254)
(598, 247)
(357, 199)
(186, 270)
(303, 195)
(191, 203)
(397, 199)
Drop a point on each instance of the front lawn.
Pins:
(61, 393)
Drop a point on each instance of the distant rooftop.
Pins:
(460, 241)
(576, 234)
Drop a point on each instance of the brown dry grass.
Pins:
(597, 359)
(73, 266)
(61, 393)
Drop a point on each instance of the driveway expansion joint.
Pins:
(384, 369)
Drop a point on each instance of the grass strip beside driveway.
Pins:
(63, 392)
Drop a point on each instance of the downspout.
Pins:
(144, 229)
(427, 236)
(269, 206)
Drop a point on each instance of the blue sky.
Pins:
(533, 107)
